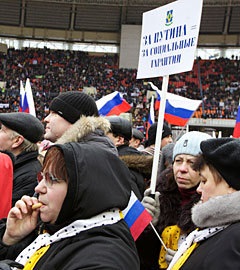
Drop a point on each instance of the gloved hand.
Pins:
(152, 205)
(8, 264)
(169, 255)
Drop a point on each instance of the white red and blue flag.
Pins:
(136, 216)
(178, 109)
(112, 104)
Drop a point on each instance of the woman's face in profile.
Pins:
(209, 187)
(52, 192)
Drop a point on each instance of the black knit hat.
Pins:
(73, 104)
(121, 127)
(224, 155)
(152, 132)
(25, 124)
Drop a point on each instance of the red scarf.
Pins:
(186, 194)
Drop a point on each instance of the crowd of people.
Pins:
(71, 183)
(54, 71)
(71, 173)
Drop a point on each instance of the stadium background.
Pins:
(117, 23)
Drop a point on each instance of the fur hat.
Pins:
(189, 143)
(73, 104)
(25, 124)
(152, 132)
(121, 127)
(224, 155)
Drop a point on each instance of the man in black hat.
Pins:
(137, 138)
(19, 134)
(139, 165)
(65, 110)
(152, 132)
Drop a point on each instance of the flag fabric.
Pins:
(30, 99)
(236, 131)
(136, 216)
(26, 99)
(112, 104)
(178, 109)
(151, 117)
(157, 102)
(23, 106)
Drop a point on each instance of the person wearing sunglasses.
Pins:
(82, 188)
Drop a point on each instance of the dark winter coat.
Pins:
(171, 209)
(98, 181)
(171, 213)
(26, 168)
(222, 250)
(140, 167)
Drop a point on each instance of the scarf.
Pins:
(186, 194)
(170, 237)
(43, 240)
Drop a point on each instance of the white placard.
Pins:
(169, 39)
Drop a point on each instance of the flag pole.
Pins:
(159, 134)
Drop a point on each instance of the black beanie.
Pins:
(73, 104)
(152, 132)
(27, 125)
(224, 155)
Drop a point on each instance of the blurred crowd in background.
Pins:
(216, 82)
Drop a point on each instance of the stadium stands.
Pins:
(54, 71)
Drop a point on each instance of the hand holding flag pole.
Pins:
(159, 132)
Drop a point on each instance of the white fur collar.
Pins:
(83, 127)
(217, 211)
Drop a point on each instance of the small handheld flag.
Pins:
(136, 216)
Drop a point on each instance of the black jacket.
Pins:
(98, 181)
(26, 168)
(140, 167)
(220, 251)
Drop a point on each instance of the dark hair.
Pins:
(202, 161)
(54, 161)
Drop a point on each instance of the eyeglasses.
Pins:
(48, 177)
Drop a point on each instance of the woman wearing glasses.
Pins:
(82, 189)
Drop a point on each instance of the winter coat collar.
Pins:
(217, 211)
(83, 127)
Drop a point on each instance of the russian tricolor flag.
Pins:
(157, 102)
(23, 106)
(26, 99)
(151, 116)
(136, 216)
(112, 104)
(178, 109)
(236, 131)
